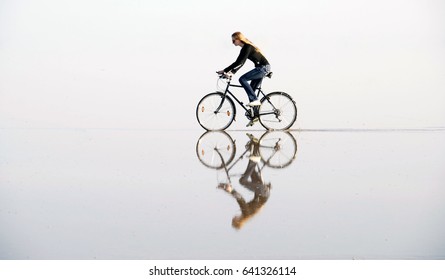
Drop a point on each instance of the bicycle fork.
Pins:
(220, 105)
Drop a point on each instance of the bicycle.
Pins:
(216, 110)
(217, 149)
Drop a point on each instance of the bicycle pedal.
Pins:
(252, 122)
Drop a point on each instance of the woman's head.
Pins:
(238, 39)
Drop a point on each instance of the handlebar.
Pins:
(227, 76)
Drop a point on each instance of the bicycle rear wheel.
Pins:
(215, 112)
(278, 111)
(278, 149)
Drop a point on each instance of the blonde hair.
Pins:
(240, 36)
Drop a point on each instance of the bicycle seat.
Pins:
(269, 75)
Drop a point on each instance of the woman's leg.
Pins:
(254, 84)
(253, 74)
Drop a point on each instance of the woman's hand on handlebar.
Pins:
(223, 74)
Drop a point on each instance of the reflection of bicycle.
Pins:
(216, 149)
(216, 111)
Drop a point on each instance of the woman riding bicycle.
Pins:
(256, 75)
(275, 110)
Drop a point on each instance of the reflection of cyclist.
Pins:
(253, 181)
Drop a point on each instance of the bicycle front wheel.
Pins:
(278, 111)
(215, 111)
(215, 149)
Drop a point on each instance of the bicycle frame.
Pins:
(227, 91)
(228, 167)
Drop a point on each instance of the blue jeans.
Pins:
(256, 76)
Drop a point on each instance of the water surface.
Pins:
(153, 194)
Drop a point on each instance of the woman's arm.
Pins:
(244, 54)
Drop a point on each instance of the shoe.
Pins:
(252, 122)
(254, 103)
(252, 138)
(255, 159)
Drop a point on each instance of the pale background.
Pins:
(98, 134)
(146, 64)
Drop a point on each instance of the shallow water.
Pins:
(153, 194)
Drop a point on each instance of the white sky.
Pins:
(146, 64)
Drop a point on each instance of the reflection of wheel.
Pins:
(212, 115)
(278, 148)
(215, 149)
(277, 111)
